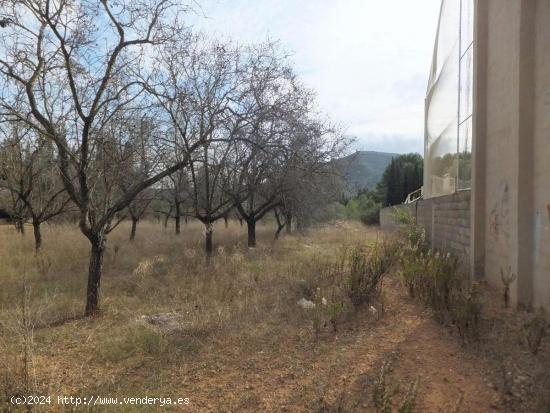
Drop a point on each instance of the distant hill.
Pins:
(363, 169)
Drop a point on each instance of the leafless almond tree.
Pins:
(179, 195)
(136, 164)
(28, 171)
(313, 181)
(199, 87)
(287, 143)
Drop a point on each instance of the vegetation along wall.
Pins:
(446, 220)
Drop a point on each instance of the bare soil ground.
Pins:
(336, 373)
(244, 345)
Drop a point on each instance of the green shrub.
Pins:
(414, 234)
(363, 207)
(370, 216)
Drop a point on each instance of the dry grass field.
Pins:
(228, 334)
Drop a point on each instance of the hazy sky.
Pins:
(368, 60)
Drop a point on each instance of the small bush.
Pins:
(341, 287)
(414, 234)
(366, 271)
(144, 342)
(327, 311)
(363, 207)
(409, 401)
(382, 394)
(371, 216)
(535, 331)
(507, 279)
(17, 362)
(466, 313)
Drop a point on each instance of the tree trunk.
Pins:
(241, 221)
(166, 218)
(300, 225)
(94, 275)
(178, 219)
(280, 223)
(288, 220)
(134, 228)
(225, 220)
(279, 230)
(251, 226)
(37, 235)
(20, 226)
(209, 247)
(178, 224)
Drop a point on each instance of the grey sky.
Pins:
(368, 60)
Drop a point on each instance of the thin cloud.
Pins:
(368, 60)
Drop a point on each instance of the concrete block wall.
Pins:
(446, 220)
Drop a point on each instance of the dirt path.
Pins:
(336, 373)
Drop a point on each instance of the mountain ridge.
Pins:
(363, 169)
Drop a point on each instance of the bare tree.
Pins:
(286, 142)
(138, 207)
(200, 91)
(175, 191)
(28, 171)
(270, 94)
(15, 208)
(313, 181)
(162, 204)
(208, 182)
(137, 163)
(179, 192)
